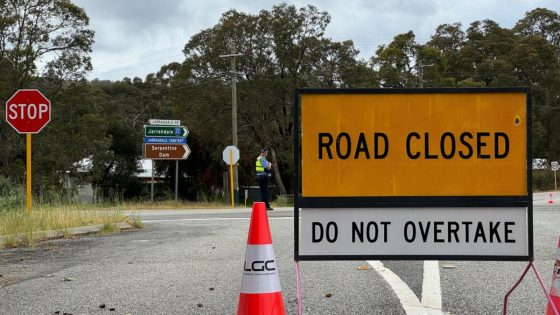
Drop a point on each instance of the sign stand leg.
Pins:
(539, 278)
(28, 177)
(176, 179)
(555, 188)
(298, 288)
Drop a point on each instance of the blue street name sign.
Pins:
(165, 140)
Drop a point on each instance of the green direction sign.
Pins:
(165, 131)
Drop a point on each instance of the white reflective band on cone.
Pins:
(260, 274)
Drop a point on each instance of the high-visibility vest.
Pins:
(260, 167)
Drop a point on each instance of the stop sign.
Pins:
(28, 111)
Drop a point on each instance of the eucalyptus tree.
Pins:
(283, 49)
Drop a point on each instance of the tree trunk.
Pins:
(277, 177)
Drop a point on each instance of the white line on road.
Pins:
(431, 288)
(211, 219)
(409, 301)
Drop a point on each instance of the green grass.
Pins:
(283, 201)
(135, 221)
(108, 228)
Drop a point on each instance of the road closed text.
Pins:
(442, 231)
(416, 145)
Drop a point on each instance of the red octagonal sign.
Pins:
(28, 111)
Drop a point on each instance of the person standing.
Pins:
(263, 173)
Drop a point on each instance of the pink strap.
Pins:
(299, 290)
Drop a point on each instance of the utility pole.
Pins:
(234, 116)
(421, 72)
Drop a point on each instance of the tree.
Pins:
(443, 53)
(396, 62)
(486, 51)
(283, 49)
(53, 31)
(540, 22)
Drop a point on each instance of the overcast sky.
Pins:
(134, 38)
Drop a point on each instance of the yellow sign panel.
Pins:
(416, 144)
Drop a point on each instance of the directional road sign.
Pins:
(28, 111)
(165, 140)
(234, 154)
(164, 122)
(165, 131)
(166, 151)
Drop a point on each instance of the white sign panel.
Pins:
(234, 154)
(164, 122)
(554, 165)
(414, 232)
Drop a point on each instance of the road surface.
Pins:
(190, 262)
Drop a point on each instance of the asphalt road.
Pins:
(190, 262)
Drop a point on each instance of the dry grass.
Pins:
(19, 222)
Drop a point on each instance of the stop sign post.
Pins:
(231, 156)
(28, 111)
(554, 167)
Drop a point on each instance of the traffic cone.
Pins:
(260, 288)
(550, 199)
(555, 287)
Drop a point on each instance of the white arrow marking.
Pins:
(409, 301)
(187, 151)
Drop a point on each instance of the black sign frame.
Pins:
(411, 201)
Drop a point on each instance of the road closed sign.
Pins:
(413, 173)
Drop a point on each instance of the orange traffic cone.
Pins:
(260, 287)
(555, 287)
(550, 199)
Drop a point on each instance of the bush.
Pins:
(543, 180)
(12, 196)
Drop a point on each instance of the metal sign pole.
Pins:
(231, 176)
(28, 180)
(176, 179)
(555, 188)
(152, 185)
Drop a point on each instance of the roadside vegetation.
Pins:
(17, 224)
(95, 133)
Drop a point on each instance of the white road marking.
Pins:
(409, 301)
(431, 288)
(211, 219)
